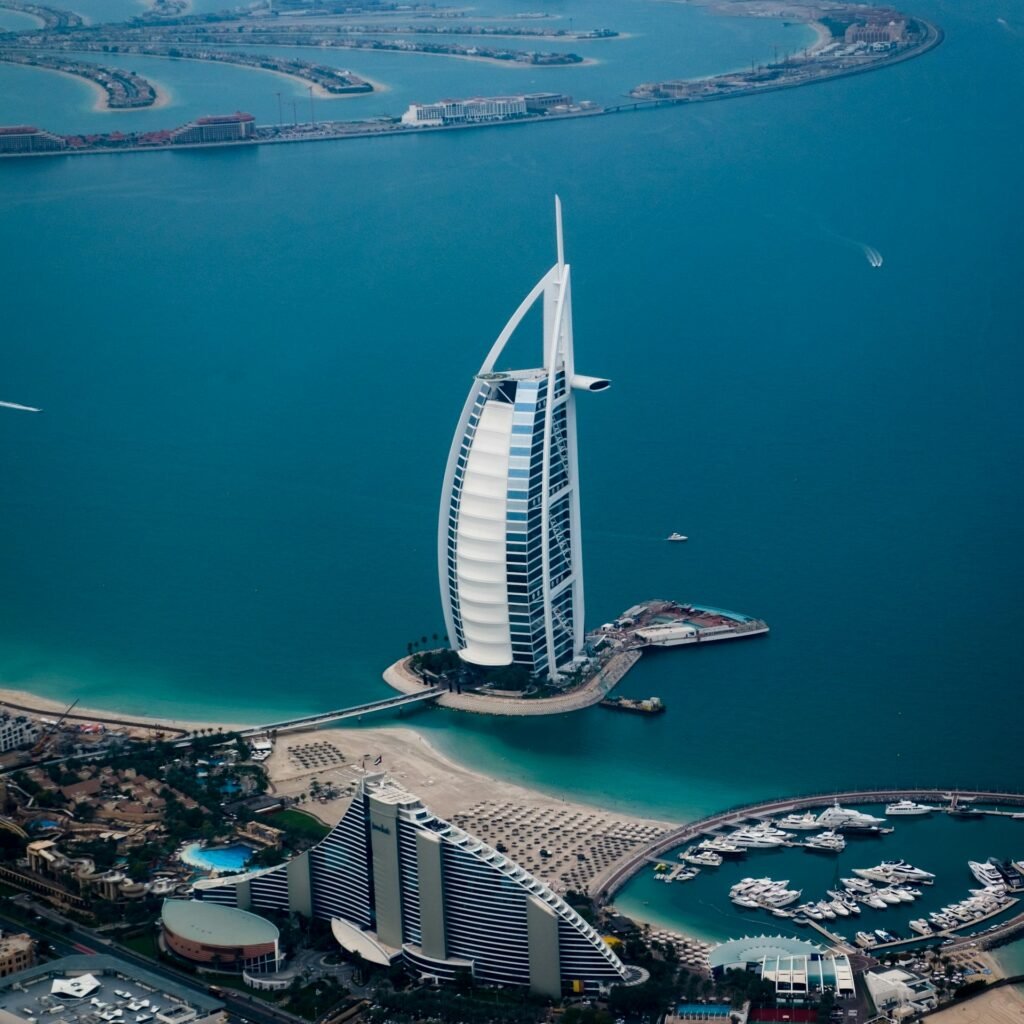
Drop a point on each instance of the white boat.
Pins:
(903, 893)
(759, 836)
(799, 822)
(907, 872)
(865, 939)
(843, 817)
(676, 537)
(908, 807)
(825, 910)
(840, 908)
(858, 885)
(872, 899)
(988, 874)
(719, 844)
(828, 841)
(703, 858)
(887, 896)
(743, 901)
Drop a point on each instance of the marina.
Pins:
(903, 881)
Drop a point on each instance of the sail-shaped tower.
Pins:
(509, 555)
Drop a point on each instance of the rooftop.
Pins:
(30, 993)
(752, 949)
(217, 925)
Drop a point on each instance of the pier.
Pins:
(359, 711)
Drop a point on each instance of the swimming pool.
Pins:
(233, 857)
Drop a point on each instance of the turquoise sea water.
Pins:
(251, 364)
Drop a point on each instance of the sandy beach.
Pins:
(18, 700)
(578, 840)
(1003, 1006)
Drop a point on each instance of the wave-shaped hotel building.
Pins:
(509, 555)
(395, 881)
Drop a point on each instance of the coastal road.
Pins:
(69, 938)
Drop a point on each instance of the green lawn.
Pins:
(144, 944)
(298, 824)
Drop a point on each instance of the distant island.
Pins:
(850, 39)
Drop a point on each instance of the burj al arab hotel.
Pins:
(509, 555)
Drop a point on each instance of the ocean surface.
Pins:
(251, 364)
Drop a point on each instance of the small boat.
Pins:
(677, 537)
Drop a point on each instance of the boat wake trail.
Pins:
(22, 408)
(872, 255)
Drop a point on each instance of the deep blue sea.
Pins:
(251, 364)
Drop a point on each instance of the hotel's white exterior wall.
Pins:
(509, 557)
(420, 887)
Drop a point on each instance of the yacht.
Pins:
(907, 872)
(886, 895)
(722, 846)
(826, 842)
(758, 837)
(782, 898)
(903, 893)
(676, 537)
(842, 817)
(799, 822)
(876, 874)
(704, 858)
(872, 899)
(865, 939)
(908, 807)
(840, 908)
(826, 911)
(988, 874)
(744, 901)
(857, 885)
(884, 935)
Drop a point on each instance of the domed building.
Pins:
(219, 937)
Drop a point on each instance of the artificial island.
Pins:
(851, 38)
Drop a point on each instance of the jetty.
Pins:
(305, 722)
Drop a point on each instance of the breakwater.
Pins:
(605, 885)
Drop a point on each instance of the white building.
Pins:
(16, 731)
(894, 989)
(471, 111)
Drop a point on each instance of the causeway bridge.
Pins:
(403, 700)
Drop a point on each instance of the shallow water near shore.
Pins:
(251, 363)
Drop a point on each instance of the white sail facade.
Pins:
(509, 555)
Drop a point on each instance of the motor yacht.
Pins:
(704, 858)
(799, 822)
(757, 838)
(907, 872)
(865, 939)
(886, 895)
(843, 817)
(988, 874)
(826, 842)
(908, 807)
